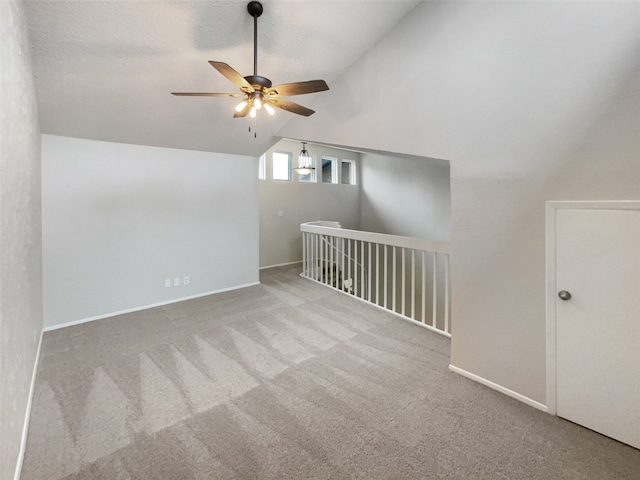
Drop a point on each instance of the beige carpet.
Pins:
(286, 380)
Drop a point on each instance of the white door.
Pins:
(598, 328)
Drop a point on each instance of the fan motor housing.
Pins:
(258, 81)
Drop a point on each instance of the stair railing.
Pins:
(333, 271)
(408, 276)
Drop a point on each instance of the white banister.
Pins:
(381, 238)
(329, 258)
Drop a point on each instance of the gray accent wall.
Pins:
(529, 101)
(119, 220)
(405, 195)
(20, 231)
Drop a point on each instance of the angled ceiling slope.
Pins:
(104, 70)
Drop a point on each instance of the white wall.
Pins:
(404, 195)
(20, 231)
(120, 219)
(280, 238)
(530, 101)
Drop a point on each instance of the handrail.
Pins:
(381, 238)
(324, 223)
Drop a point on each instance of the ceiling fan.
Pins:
(257, 91)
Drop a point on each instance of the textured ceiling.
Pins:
(104, 70)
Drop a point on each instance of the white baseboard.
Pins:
(499, 388)
(27, 414)
(280, 265)
(145, 307)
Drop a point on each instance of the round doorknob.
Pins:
(564, 295)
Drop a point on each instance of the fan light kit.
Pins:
(257, 91)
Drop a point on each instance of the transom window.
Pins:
(329, 170)
(281, 166)
(348, 172)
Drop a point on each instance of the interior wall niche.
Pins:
(384, 193)
(284, 205)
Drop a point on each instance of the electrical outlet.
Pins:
(176, 282)
(167, 282)
(185, 281)
(281, 213)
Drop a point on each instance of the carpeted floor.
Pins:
(288, 379)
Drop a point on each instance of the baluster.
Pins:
(321, 241)
(330, 246)
(413, 284)
(446, 293)
(377, 274)
(369, 271)
(326, 260)
(386, 277)
(424, 287)
(304, 254)
(342, 264)
(362, 284)
(349, 264)
(435, 290)
(393, 283)
(355, 268)
(404, 276)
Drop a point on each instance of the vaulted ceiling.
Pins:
(104, 70)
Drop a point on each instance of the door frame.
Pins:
(551, 209)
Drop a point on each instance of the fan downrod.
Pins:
(254, 9)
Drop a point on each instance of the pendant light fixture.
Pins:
(305, 162)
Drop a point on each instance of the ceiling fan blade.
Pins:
(243, 112)
(298, 88)
(193, 94)
(290, 106)
(232, 75)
